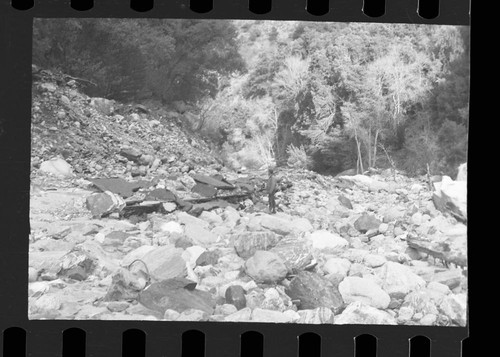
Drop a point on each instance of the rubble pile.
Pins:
(199, 245)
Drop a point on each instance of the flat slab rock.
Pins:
(178, 295)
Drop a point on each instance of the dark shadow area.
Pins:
(365, 346)
(14, 342)
(466, 351)
(318, 7)
(374, 8)
(201, 6)
(141, 5)
(259, 6)
(134, 343)
(420, 346)
(309, 345)
(73, 343)
(22, 4)
(252, 344)
(82, 5)
(193, 344)
(428, 9)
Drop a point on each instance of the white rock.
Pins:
(171, 315)
(428, 320)
(137, 253)
(266, 266)
(211, 217)
(243, 315)
(326, 241)
(462, 172)
(320, 315)
(361, 313)
(365, 290)
(171, 227)
(48, 302)
(405, 314)
(399, 280)
(262, 315)
(338, 266)
(455, 307)
(382, 229)
(57, 166)
(192, 253)
(193, 315)
(374, 260)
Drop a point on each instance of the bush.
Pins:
(297, 157)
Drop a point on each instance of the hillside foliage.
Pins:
(324, 96)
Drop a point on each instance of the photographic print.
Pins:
(249, 171)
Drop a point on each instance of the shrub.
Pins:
(297, 157)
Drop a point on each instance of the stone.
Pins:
(455, 307)
(450, 277)
(320, 315)
(208, 258)
(117, 306)
(243, 315)
(171, 227)
(199, 235)
(374, 260)
(125, 285)
(338, 266)
(399, 280)
(32, 275)
(247, 243)
(295, 253)
(193, 315)
(171, 315)
(46, 303)
(365, 290)
(226, 309)
(301, 225)
(428, 320)
(211, 217)
(178, 295)
(313, 291)
(345, 201)
(231, 217)
(451, 197)
(383, 228)
(326, 241)
(189, 220)
(262, 315)
(105, 203)
(161, 194)
(393, 213)
(405, 314)
(462, 172)
(235, 295)
(273, 300)
(137, 253)
(276, 224)
(57, 166)
(85, 259)
(204, 190)
(165, 262)
(360, 313)
(211, 181)
(366, 222)
(103, 105)
(266, 267)
(191, 254)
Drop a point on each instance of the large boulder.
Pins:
(451, 197)
(247, 243)
(57, 166)
(360, 313)
(295, 253)
(266, 267)
(313, 290)
(365, 290)
(455, 307)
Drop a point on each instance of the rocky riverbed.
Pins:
(133, 219)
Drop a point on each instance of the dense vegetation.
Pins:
(324, 96)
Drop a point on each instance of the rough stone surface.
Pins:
(266, 267)
(399, 280)
(247, 243)
(361, 313)
(327, 241)
(365, 290)
(313, 291)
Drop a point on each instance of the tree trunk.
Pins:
(375, 144)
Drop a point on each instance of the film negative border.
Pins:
(105, 338)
